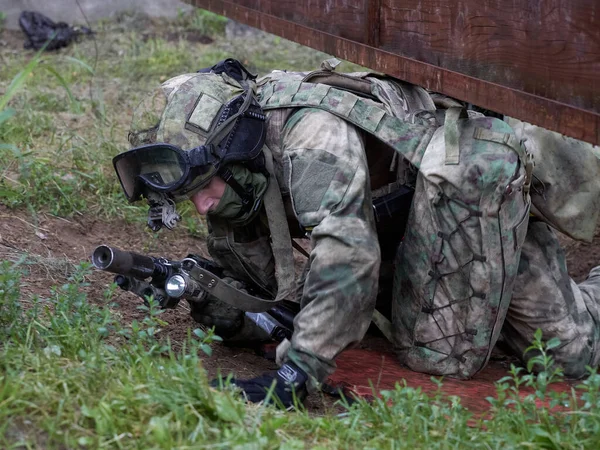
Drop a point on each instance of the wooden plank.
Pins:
(373, 23)
(351, 18)
(549, 48)
(505, 67)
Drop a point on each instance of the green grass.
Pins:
(204, 22)
(73, 375)
(70, 110)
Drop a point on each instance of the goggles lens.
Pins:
(161, 167)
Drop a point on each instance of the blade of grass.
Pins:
(65, 85)
(79, 62)
(20, 78)
(6, 114)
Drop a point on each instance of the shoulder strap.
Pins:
(281, 241)
(355, 84)
(281, 246)
(408, 138)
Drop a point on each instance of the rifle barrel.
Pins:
(113, 260)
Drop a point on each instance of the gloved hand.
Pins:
(227, 320)
(287, 383)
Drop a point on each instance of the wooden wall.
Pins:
(537, 60)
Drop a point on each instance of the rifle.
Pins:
(193, 279)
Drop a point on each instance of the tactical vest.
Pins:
(397, 114)
(369, 102)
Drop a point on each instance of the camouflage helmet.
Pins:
(186, 131)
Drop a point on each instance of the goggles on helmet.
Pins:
(166, 168)
(163, 168)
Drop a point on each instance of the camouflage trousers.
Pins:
(545, 297)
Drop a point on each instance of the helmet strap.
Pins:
(247, 195)
(223, 130)
(201, 156)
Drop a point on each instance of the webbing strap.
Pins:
(317, 95)
(372, 117)
(346, 104)
(408, 139)
(280, 234)
(452, 135)
(508, 139)
(227, 293)
(290, 90)
(513, 142)
(384, 325)
(266, 93)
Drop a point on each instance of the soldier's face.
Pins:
(208, 198)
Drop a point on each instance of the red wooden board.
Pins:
(538, 61)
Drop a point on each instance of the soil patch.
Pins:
(581, 256)
(12, 40)
(187, 35)
(54, 246)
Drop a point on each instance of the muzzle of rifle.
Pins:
(113, 260)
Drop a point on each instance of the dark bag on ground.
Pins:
(40, 29)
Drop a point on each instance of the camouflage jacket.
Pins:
(565, 189)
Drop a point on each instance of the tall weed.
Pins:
(204, 21)
(15, 85)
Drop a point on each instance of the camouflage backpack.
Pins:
(457, 263)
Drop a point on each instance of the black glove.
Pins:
(212, 312)
(285, 385)
(227, 320)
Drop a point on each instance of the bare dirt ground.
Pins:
(581, 256)
(54, 245)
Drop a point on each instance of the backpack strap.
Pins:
(409, 138)
(452, 134)
(354, 84)
(280, 234)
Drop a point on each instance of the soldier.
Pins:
(296, 155)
